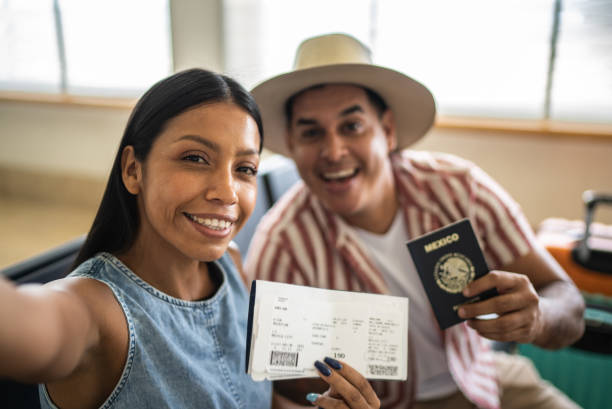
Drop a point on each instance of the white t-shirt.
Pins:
(391, 256)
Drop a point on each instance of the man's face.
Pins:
(341, 146)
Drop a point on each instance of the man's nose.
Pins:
(334, 147)
(222, 187)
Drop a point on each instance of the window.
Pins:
(28, 51)
(542, 59)
(582, 76)
(104, 48)
(478, 57)
(261, 35)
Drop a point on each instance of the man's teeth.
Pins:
(215, 224)
(339, 174)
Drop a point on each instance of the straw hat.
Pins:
(340, 58)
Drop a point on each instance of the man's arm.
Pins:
(537, 303)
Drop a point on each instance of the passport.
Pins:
(447, 260)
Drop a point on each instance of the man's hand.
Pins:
(537, 303)
(517, 307)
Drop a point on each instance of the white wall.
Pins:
(545, 174)
(60, 138)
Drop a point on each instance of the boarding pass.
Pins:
(292, 326)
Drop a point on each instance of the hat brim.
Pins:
(413, 106)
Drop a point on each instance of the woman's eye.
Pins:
(195, 158)
(248, 170)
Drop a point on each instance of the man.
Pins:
(344, 122)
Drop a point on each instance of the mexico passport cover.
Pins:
(447, 260)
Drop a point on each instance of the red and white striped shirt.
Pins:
(299, 241)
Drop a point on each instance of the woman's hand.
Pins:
(347, 388)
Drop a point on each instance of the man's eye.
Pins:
(352, 126)
(311, 133)
(195, 158)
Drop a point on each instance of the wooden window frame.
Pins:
(507, 125)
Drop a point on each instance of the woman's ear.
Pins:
(131, 170)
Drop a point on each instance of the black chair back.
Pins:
(277, 175)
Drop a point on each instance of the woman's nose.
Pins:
(222, 188)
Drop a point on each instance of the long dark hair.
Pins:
(116, 224)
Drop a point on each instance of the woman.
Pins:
(153, 316)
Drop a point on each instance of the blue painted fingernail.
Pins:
(311, 397)
(333, 363)
(322, 368)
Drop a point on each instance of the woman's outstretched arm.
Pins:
(45, 330)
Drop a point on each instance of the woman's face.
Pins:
(198, 185)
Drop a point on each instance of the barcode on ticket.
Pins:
(281, 358)
(383, 370)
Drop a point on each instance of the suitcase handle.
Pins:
(598, 260)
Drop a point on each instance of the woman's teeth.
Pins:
(215, 224)
(339, 174)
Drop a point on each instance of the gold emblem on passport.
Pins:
(453, 272)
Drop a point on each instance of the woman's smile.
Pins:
(212, 225)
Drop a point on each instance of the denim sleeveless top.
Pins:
(182, 354)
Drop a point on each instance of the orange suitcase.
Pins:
(583, 248)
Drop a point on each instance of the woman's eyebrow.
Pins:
(215, 147)
(210, 144)
(247, 152)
